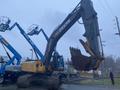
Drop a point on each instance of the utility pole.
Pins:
(31, 53)
(118, 27)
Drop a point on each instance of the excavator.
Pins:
(42, 70)
(36, 68)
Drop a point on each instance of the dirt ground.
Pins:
(64, 87)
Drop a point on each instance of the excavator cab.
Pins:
(57, 62)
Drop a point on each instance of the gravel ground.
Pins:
(88, 87)
(65, 87)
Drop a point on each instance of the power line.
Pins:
(102, 5)
(104, 8)
(109, 8)
(118, 27)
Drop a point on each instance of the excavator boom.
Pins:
(85, 10)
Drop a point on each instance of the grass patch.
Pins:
(106, 82)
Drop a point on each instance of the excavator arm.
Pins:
(85, 10)
(60, 31)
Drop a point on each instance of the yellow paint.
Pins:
(33, 66)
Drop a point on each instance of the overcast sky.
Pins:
(49, 14)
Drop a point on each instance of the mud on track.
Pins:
(64, 87)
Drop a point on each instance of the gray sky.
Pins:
(50, 13)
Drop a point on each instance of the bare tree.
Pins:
(107, 65)
(117, 65)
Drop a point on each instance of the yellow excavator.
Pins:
(41, 71)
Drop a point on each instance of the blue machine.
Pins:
(16, 56)
(9, 69)
(5, 26)
(35, 30)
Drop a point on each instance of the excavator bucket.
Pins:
(81, 62)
